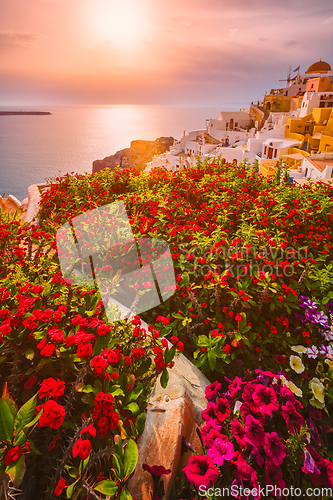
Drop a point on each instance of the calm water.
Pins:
(34, 148)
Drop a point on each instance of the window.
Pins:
(236, 124)
(307, 128)
(277, 105)
(265, 150)
(275, 153)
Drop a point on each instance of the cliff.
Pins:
(137, 155)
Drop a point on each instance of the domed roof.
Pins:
(319, 67)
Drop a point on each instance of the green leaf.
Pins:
(169, 354)
(20, 439)
(16, 471)
(133, 408)
(118, 466)
(25, 414)
(125, 495)
(202, 360)
(243, 321)
(84, 388)
(107, 487)
(164, 378)
(34, 421)
(70, 488)
(6, 421)
(29, 353)
(115, 390)
(203, 341)
(211, 359)
(10, 401)
(177, 315)
(131, 458)
(252, 337)
(123, 381)
(133, 396)
(144, 367)
(71, 471)
(140, 423)
(101, 343)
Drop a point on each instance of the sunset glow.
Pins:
(194, 52)
(123, 23)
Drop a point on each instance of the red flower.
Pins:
(60, 486)
(47, 350)
(12, 455)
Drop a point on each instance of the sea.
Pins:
(34, 149)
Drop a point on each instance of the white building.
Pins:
(318, 166)
(313, 100)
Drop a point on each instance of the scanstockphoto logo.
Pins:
(241, 261)
(98, 248)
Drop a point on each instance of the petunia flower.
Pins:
(208, 413)
(254, 432)
(293, 419)
(274, 475)
(222, 409)
(156, 472)
(300, 349)
(265, 399)
(201, 471)
(274, 448)
(317, 388)
(259, 459)
(238, 431)
(220, 451)
(312, 352)
(212, 390)
(309, 464)
(296, 364)
(279, 358)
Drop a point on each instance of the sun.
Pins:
(124, 22)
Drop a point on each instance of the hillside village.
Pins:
(293, 123)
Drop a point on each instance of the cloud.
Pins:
(20, 39)
(290, 43)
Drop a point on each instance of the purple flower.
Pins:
(306, 303)
(309, 464)
(222, 409)
(238, 431)
(312, 352)
(201, 471)
(265, 399)
(274, 475)
(220, 451)
(208, 413)
(293, 419)
(318, 317)
(274, 448)
(329, 306)
(186, 446)
(254, 432)
(212, 390)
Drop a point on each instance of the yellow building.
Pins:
(314, 130)
(277, 104)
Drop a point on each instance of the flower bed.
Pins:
(245, 249)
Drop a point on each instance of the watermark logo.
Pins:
(98, 248)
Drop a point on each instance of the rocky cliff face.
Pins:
(137, 155)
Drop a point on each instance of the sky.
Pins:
(186, 52)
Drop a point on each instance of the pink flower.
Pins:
(238, 431)
(274, 448)
(254, 432)
(220, 451)
(222, 409)
(208, 413)
(293, 419)
(274, 475)
(212, 390)
(201, 471)
(265, 399)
